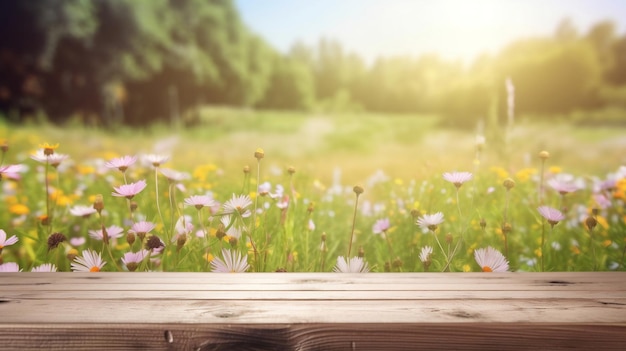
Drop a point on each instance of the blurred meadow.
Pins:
(170, 136)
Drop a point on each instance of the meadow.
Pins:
(262, 191)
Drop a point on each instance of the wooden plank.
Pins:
(352, 336)
(317, 311)
(312, 311)
(315, 281)
(378, 295)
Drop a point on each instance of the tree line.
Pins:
(137, 61)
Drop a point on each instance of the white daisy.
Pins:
(233, 262)
(491, 260)
(91, 261)
(355, 265)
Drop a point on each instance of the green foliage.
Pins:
(140, 61)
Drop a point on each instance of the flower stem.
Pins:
(356, 203)
(156, 186)
(543, 240)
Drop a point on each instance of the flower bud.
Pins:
(98, 203)
(506, 228)
(358, 190)
(259, 154)
(591, 222)
(508, 183)
(483, 223)
(233, 241)
(55, 239)
(71, 254)
(130, 238)
(449, 238)
(544, 155)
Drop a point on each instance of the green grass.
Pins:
(399, 160)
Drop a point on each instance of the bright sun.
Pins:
(453, 29)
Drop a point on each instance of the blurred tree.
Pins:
(30, 36)
(617, 75)
(602, 36)
(551, 76)
(291, 85)
(128, 59)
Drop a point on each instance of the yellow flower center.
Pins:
(487, 269)
(95, 269)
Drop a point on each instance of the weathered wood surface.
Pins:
(312, 311)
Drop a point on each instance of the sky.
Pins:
(454, 29)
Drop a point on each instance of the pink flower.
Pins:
(77, 241)
(9, 267)
(6, 242)
(200, 201)
(129, 190)
(563, 184)
(121, 163)
(113, 232)
(82, 211)
(381, 226)
(155, 160)
(491, 260)
(174, 176)
(142, 227)
(11, 171)
(283, 203)
(553, 215)
(54, 159)
(457, 178)
(132, 259)
(183, 226)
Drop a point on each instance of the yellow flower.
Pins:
(555, 169)
(620, 189)
(607, 243)
(467, 268)
(538, 252)
(201, 172)
(11, 199)
(18, 209)
(208, 257)
(48, 149)
(523, 175)
(318, 185)
(85, 170)
(575, 250)
(398, 181)
(108, 155)
(62, 199)
(500, 172)
(602, 222)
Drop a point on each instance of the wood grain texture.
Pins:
(312, 311)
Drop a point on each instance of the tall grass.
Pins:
(303, 219)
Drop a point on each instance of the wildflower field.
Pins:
(248, 191)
